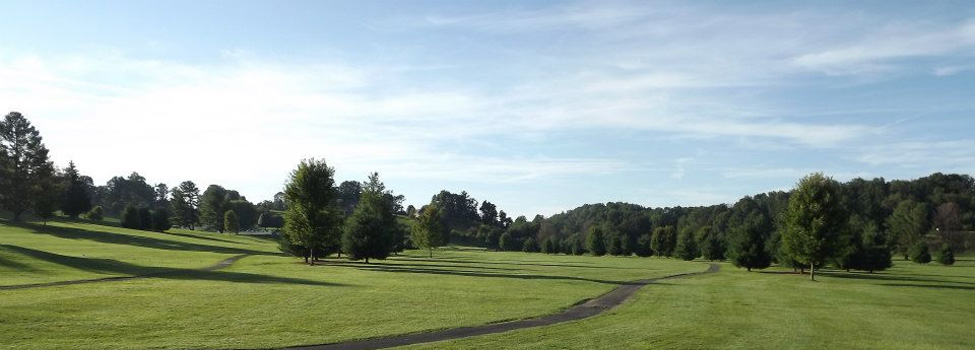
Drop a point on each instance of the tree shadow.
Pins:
(132, 240)
(510, 262)
(4, 262)
(470, 273)
(379, 263)
(201, 237)
(110, 266)
(935, 286)
(886, 277)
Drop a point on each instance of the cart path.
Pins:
(585, 309)
(220, 265)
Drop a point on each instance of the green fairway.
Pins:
(268, 300)
(908, 307)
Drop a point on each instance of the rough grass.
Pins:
(909, 307)
(267, 300)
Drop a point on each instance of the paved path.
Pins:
(587, 309)
(220, 265)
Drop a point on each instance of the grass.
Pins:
(267, 300)
(908, 307)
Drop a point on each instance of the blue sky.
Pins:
(538, 107)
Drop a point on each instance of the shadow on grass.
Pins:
(934, 286)
(510, 262)
(140, 241)
(408, 265)
(886, 277)
(110, 266)
(467, 273)
(201, 237)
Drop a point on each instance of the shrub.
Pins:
(130, 218)
(160, 220)
(919, 253)
(946, 256)
(145, 219)
(96, 214)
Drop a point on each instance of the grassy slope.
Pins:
(273, 301)
(908, 307)
(62, 251)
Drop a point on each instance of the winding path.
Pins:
(586, 309)
(220, 265)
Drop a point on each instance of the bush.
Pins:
(96, 214)
(231, 223)
(145, 219)
(946, 256)
(130, 218)
(919, 253)
(530, 246)
(160, 220)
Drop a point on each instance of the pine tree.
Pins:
(530, 245)
(96, 214)
(711, 245)
(130, 218)
(642, 248)
(76, 199)
(185, 202)
(596, 242)
(371, 230)
(945, 255)
(161, 220)
(919, 253)
(24, 165)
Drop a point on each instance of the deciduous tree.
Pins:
(312, 219)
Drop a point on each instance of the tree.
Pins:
(96, 214)
(76, 199)
(643, 246)
(246, 213)
(945, 255)
(130, 218)
(429, 232)
(596, 242)
(212, 208)
(349, 193)
(371, 230)
(663, 240)
(145, 218)
(919, 253)
(530, 245)
(614, 245)
(489, 213)
(814, 222)
(185, 201)
(312, 219)
(907, 224)
(686, 248)
(161, 220)
(24, 164)
(507, 242)
(711, 245)
(231, 223)
(551, 245)
(867, 248)
(47, 194)
(947, 223)
(411, 211)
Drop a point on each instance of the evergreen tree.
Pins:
(686, 248)
(614, 245)
(907, 225)
(919, 253)
(312, 219)
(47, 194)
(596, 242)
(576, 246)
(145, 218)
(76, 199)
(507, 242)
(814, 222)
(231, 222)
(945, 255)
(429, 232)
(371, 230)
(643, 246)
(24, 165)
(161, 220)
(185, 202)
(551, 245)
(130, 218)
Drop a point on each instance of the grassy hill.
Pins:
(267, 300)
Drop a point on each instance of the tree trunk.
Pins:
(311, 252)
(431, 253)
(749, 269)
(367, 260)
(812, 272)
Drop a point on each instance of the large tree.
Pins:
(749, 230)
(815, 222)
(312, 219)
(908, 224)
(429, 231)
(76, 198)
(371, 229)
(596, 242)
(231, 222)
(185, 201)
(24, 165)
(212, 208)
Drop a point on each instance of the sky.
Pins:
(538, 107)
